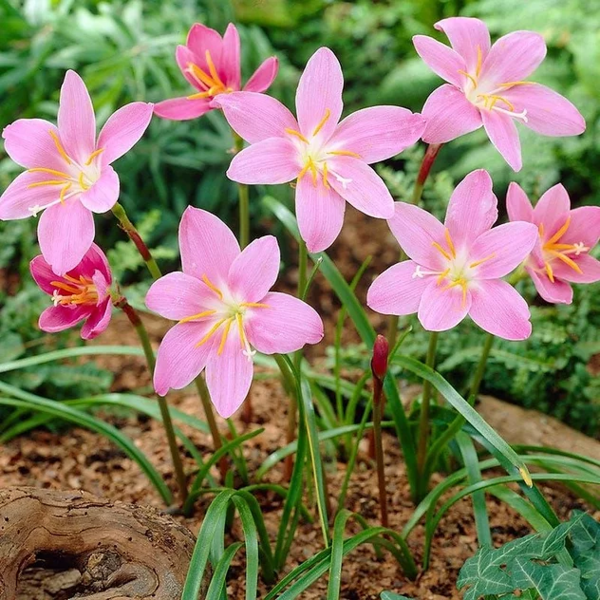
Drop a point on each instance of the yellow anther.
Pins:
(472, 79)
(568, 261)
(440, 249)
(549, 272)
(212, 286)
(479, 61)
(59, 146)
(541, 229)
(199, 95)
(254, 304)
(297, 134)
(442, 276)
(313, 169)
(344, 153)
(224, 336)
(213, 71)
(462, 282)
(303, 172)
(325, 182)
(449, 242)
(63, 192)
(65, 287)
(49, 171)
(82, 183)
(93, 156)
(210, 332)
(558, 234)
(481, 261)
(206, 313)
(511, 83)
(322, 122)
(240, 324)
(199, 75)
(48, 182)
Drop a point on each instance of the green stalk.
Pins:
(244, 199)
(142, 333)
(127, 226)
(377, 410)
(478, 377)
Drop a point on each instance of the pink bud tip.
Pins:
(379, 362)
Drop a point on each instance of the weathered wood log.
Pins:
(59, 545)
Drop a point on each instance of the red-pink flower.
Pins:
(211, 64)
(68, 175)
(456, 268)
(225, 311)
(561, 254)
(81, 294)
(329, 160)
(485, 87)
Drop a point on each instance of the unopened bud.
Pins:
(379, 362)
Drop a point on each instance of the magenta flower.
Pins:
(211, 63)
(81, 294)
(225, 311)
(485, 87)
(561, 254)
(328, 159)
(68, 172)
(456, 268)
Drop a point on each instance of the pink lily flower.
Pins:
(82, 294)
(225, 311)
(456, 267)
(486, 87)
(329, 160)
(211, 63)
(68, 175)
(561, 254)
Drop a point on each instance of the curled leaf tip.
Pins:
(526, 476)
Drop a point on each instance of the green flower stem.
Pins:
(212, 422)
(378, 400)
(243, 198)
(478, 377)
(424, 417)
(128, 227)
(142, 333)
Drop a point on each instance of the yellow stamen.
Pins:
(49, 171)
(213, 71)
(63, 192)
(479, 61)
(440, 249)
(93, 156)
(325, 182)
(212, 286)
(49, 182)
(559, 233)
(65, 287)
(211, 331)
(303, 172)
(224, 336)
(254, 305)
(206, 313)
(473, 80)
(81, 182)
(81, 279)
(314, 171)
(481, 261)
(198, 95)
(238, 318)
(442, 276)
(449, 241)
(297, 134)
(59, 146)
(463, 284)
(568, 261)
(549, 272)
(562, 247)
(541, 229)
(322, 122)
(511, 83)
(199, 75)
(344, 153)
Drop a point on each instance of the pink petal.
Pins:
(513, 57)
(466, 35)
(517, 204)
(19, 200)
(179, 359)
(103, 195)
(182, 109)
(185, 57)
(557, 292)
(503, 249)
(502, 131)
(320, 213)
(93, 261)
(254, 272)
(274, 160)
(442, 308)
(472, 209)
(416, 231)
(208, 247)
(359, 185)
(319, 91)
(98, 321)
(378, 133)
(229, 375)
(256, 117)
(230, 57)
(552, 210)
(59, 318)
(548, 113)
(76, 120)
(123, 130)
(29, 143)
(590, 269)
(65, 234)
(263, 77)
(448, 115)
(442, 60)
(397, 291)
(102, 286)
(202, 38)
(177, 296)
(286, 326)
(500, 310)
(42, 274)
(584, 226)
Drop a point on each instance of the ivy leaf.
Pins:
(551, 582)
(585, 538)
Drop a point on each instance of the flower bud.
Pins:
(379, 362)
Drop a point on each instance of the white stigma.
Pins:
(343, 180)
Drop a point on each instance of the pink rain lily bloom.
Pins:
(68, 175)
(225, 311)
(211, 64)
(456, 267)
(82, 294)
(329, 159)
(486, 87)
(561, 254)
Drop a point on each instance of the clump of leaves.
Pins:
(562, 564)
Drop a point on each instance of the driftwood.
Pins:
(61, 545)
